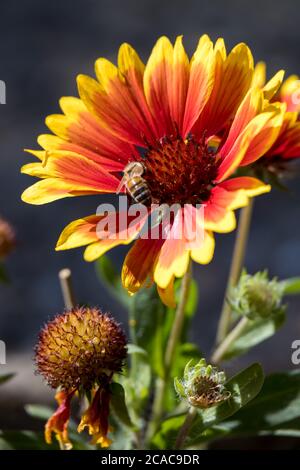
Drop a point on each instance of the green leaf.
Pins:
(243, 388)
(6, 377)
(118, 404)
(134, 349)
(137, 384)
(39, 411)
(112, 280)
(30, 440)
(275, 411)
(291, 286)
(43, 413)
(277, 406)
(123, 438)
(255, 332)
(24, 440)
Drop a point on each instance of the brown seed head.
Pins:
(80, 347)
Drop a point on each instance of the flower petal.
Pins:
(86, 231)
(105, 100)
(96, 416)
(272, 86)
(179, 82)
(139, 263)
(204, 254)
(82, 133)
(79, 233)
(287, 145)
(251, 105)
(259, 75)
(251, 186)
(157, 77)
(220, 220)
(218, 211)
(135, 117)
(59, 421)
(70, 175)
(233, 75)
(250, 138)
(200, 83)
(118, 236)
(131, 66)
(174, 255)
(167, 295)
(236, 154)
(268, 126)
(290, 93)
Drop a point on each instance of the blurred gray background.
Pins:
(43, 46)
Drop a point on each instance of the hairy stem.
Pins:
(235, 268)
(230, 338)
(184, 430)
(178, 321)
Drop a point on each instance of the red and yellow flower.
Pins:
(287, 145)
(191, 122)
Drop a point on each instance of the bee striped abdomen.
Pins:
(139, 191)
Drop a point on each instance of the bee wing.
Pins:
(121, 185)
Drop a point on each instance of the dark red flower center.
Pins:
(180, 171)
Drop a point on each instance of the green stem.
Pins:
(236, 268)
(184, 430)
(161, 383)
(230, 338)
(178, 321)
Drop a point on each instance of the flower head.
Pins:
(257, 296)
(202, 385)
(190, 122)
(79, 351)
(286, 147)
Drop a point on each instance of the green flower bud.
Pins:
(257, 296)
(202, 385)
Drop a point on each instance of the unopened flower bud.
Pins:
(257, 296)
(202, 385)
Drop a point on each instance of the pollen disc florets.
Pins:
(80, 348)
(180, 171)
